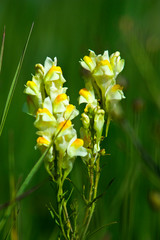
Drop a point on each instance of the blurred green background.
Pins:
(67, 29)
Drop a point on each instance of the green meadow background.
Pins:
(67, 29)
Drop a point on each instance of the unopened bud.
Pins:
(99, 123)
(85, 120)
(39, 69)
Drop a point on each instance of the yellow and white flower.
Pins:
(70, 112)
(117, 63)
(89, 62)
(75, 148)
(113, 95)
(60, 103)
(86, 97)
(53, 77)
(34, 90)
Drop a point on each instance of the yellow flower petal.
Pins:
(31, 84)
(44, 110)
(116, 87)
(64, 125)
(87, 59)
(61, 97)
(51, 71)
(77, 143)
(70, 108)
(42, 141)
(85, 93)
(104, 63)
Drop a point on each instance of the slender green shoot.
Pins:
(13, 85)
(102, 227)
(2, 49)
(12, 183)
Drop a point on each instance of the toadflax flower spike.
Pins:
(48, 102)
(101, 95)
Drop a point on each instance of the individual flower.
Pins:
(53, 78)
(86, 96)
(60, 103)
(113, 95)
(117, 63)
(75, 148)
(70, 112)
(34, 91)
(89, 62)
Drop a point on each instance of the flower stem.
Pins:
(107, 125)
(67, 220)
(60, 207)
(92, 196)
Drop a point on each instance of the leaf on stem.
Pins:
(102, 194)
(97, 230)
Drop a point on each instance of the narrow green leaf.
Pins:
(33, 170)
(2, 49)
(12, 183)
(24, 195)
(14, 82)
(51, 212)
(57, 222)
(97, 230)
(51, 208)
(69, 195)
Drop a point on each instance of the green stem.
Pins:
(60, 206)
(93, 192)
(91, 175)
(108, 123)
(67, 220)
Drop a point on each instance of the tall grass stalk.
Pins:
(14, 82)
(2, 50)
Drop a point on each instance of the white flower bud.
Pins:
(99, 123)
(85, 120)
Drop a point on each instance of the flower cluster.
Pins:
(101, 95)
(100, 73)
(48, 102)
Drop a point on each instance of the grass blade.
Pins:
(104, 226)
(12, 183)
(2, 49)
(13, 85)
(33, 171)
